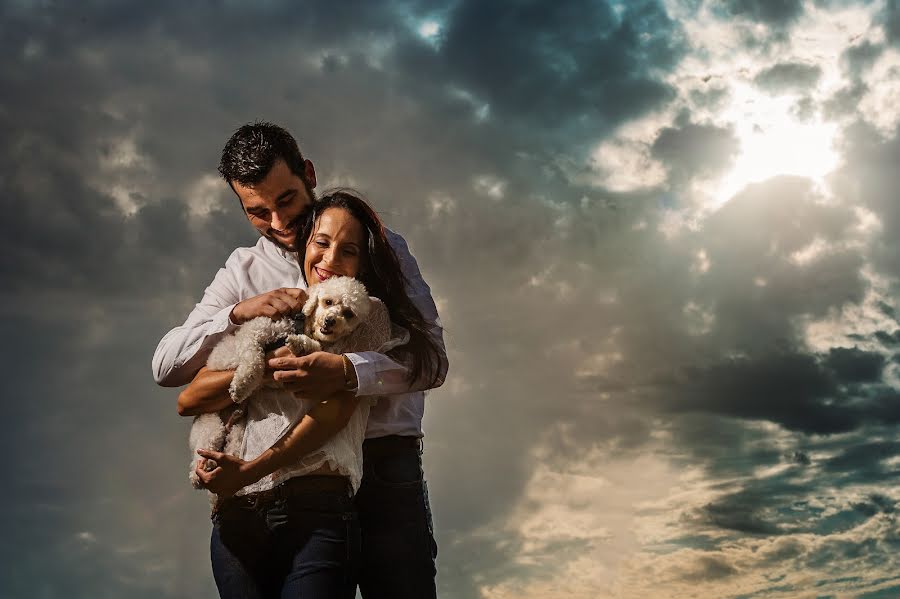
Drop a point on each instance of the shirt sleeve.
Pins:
(184, 350)
(379, 374)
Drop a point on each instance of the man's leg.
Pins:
(398, 547)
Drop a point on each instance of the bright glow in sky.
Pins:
(429, 29)
(773, 142)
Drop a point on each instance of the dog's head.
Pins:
(335, 308)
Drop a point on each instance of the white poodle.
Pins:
(334, 309)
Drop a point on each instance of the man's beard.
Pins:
(296, 222)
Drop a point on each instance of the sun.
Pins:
(774, 140)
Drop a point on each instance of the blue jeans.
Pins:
(299, 546)
(398, 553)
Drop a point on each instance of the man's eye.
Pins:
(348, 314)
(328, 302)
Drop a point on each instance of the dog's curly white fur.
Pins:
(334, 309)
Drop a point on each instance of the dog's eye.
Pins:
(348, 313)
(328, 302)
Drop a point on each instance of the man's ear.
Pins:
(309, 173)
(311, 301)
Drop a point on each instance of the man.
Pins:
(274, 183)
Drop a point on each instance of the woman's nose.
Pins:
(330, 256)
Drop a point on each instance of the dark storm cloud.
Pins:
(788, 77)
(587, 66)
(854, 365)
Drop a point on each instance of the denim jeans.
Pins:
(397, 559)
(298, 546)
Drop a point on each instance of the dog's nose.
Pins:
(329, 322)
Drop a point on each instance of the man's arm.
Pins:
(184, 350)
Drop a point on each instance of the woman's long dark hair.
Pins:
(380, 273)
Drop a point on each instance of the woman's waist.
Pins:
(319, 490)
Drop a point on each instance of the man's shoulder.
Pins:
(263, 249)
(397, 241)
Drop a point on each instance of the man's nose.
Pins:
(279, 221)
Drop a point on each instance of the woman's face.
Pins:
(335, 247)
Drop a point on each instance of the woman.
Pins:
(300, 537)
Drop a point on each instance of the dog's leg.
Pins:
(248, 375)
(300, 345)
(207, 432)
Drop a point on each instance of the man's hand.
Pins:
(268, 380)
(274, 304)
(230, 476)
(316, 376)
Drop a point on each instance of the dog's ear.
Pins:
(363, 307)
(312, 301)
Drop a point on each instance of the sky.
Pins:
(663, 237)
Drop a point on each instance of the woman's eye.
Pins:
(322, 244)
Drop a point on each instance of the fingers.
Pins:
(296, 293)
(214, 455)
(281, 352)
(207, 477)
(290, 299)
(289, 362)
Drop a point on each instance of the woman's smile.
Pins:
(322, 274)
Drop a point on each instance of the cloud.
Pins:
(707, 405)
(694, 149)
(770, 12)
(788, 77)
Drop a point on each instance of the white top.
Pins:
(251, 271)
(272, 413)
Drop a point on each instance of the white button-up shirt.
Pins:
(251, 271)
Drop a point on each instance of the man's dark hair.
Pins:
(252, 151)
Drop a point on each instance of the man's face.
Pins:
(276, 205)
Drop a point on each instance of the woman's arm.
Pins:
(208, 392)
(317, 427)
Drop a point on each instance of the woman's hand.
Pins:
(230, 475)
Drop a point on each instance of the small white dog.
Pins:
(334, 309)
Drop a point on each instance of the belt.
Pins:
(298, 485)
(380, 447)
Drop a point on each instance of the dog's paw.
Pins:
(301, 345)
(210, 465)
